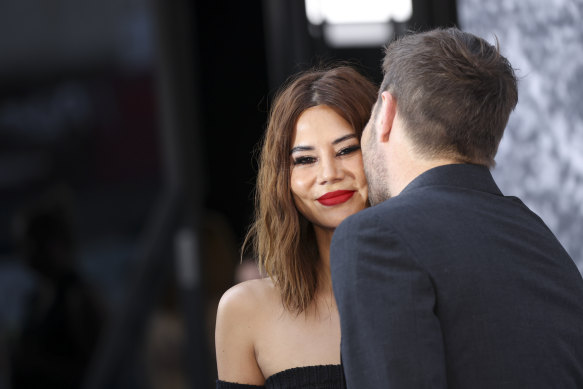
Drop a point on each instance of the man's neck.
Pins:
(405, 162)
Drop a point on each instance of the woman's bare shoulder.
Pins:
(248, 298)
(240, 322)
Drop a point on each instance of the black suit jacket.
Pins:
(453, 285)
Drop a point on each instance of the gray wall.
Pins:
(540, 158)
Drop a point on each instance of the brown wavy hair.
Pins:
(283, 240)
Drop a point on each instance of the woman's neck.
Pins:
(323, 239)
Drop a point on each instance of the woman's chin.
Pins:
(342, 215)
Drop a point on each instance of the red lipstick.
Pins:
(336, 197)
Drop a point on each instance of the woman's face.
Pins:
(327, 177)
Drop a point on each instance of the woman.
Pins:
(284, 330)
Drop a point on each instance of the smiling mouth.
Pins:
(336, 197)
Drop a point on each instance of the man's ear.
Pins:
(387, 114)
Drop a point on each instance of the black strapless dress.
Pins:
(306, 377)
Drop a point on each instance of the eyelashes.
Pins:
(304, 160)
(307, 160)
(348, 150)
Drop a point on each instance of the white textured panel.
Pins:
(540, 158)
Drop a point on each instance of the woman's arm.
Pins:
(237, 323)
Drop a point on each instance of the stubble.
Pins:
(375, 169)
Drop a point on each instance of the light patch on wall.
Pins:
(363, 23)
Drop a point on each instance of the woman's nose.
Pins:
(330, 170)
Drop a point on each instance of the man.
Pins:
(445, 282)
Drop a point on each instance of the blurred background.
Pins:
(128, 131)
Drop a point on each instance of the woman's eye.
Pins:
(349, 150)
(304, 160)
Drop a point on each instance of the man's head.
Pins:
(452, 94)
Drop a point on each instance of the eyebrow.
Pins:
(335, 142)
